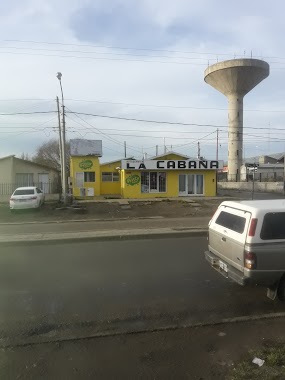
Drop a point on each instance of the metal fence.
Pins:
(257, 177)
(52, 187)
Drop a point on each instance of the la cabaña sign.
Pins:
(171, 164)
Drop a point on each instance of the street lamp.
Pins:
(63, 168)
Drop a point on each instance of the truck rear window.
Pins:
(232, 222)
(273, 226)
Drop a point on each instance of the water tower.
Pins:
(235, 78)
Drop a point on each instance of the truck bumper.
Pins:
(231, 273)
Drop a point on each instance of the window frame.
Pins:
(232, 215)
(148, 177)
(86, 174)
(111, 175)
(267, 223)
(28, 181)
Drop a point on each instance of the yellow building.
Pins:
(169, 175)
(164, 176)
(85, 176)
(110, 178)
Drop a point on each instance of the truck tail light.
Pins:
(250, 260)
(252, 227)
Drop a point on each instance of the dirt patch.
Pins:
(111, 210)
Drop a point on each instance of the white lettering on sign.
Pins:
(171, 164)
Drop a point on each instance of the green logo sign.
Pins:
(133, 180)
(86, 164)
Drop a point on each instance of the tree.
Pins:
(25, 156)
(48, 154)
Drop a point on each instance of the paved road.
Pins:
(78, 289)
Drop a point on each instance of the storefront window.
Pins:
(153, 182)
(191, 184)
(89, 176)
(145, 182)
(110, 177)
(116, 177)
(199, 184)
(162, 182)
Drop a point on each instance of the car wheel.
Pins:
(281, 290)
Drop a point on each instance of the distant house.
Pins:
(16, 172)
(270, 167)
(275, 158)
(263, 172)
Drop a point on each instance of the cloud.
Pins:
(105, 74)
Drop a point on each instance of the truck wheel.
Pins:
(281, 290)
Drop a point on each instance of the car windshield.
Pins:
(24, 192)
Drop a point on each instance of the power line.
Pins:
(26, 113)
(104, 53)
(164, 121)
(23, 132)
(102, 133)
(147, 121)
(168, 106)
(139, 104)
(26, 99)
(215, 54)
(115, 47)
(121, 59)
(104, 58)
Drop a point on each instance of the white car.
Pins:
(27, 197)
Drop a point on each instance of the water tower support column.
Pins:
(235, 138)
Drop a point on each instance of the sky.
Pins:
(143, 60)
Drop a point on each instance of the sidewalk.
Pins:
(103, 229)
(201, 353)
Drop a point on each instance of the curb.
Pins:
(101, 236)
(84, 220)
(106, 334)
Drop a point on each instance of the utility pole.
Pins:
(64, 182)
(217, 148)
(60, 140)
(253, 180)
(198, 153)
(156, 150)
(125, 148)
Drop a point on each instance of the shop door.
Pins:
(191, 184)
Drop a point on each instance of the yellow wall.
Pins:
(108, 188)
(75, 168)
(172, 184)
